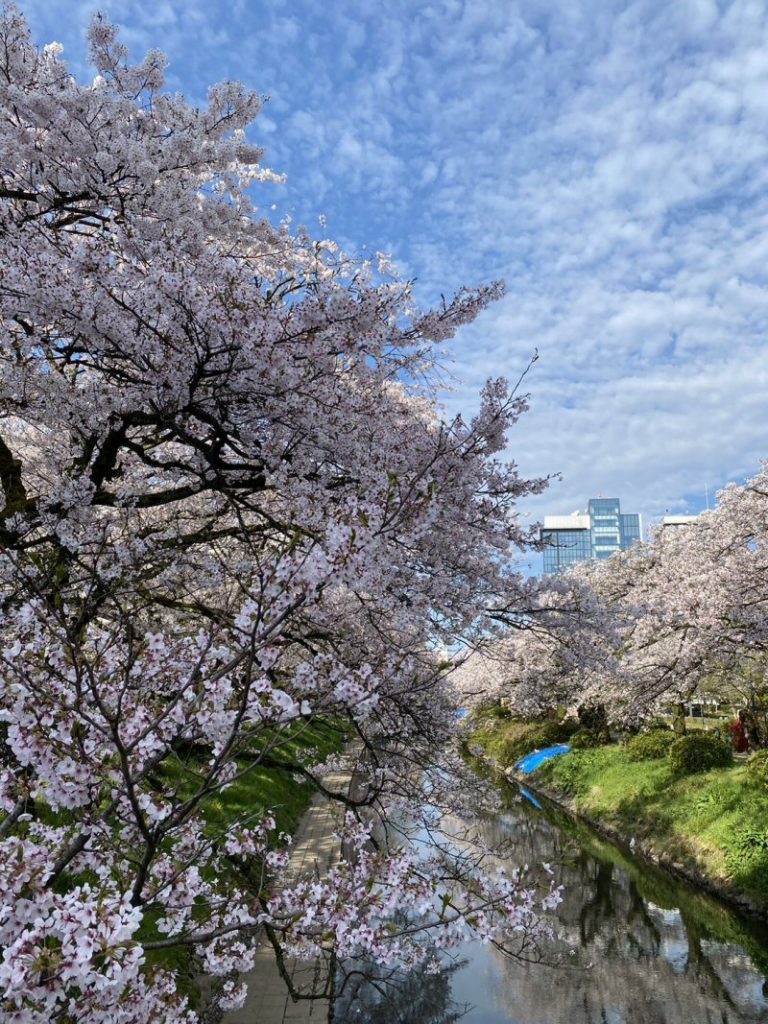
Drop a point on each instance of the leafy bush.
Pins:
(585, 738)
(492, 712)
(648, 746)
(698, 753)
(746, 858)
(550, 732)
(516, 740)
(568, 777)
(751, 839)
(757, 766)
(593, 716)
(512, 746)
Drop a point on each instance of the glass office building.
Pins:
(598, 533)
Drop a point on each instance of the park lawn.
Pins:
(712, 824)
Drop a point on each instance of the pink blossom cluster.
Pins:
(230, 511)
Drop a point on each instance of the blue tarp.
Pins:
(532, 761)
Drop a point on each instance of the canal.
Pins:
(635, 946)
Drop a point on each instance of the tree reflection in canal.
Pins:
(644, 947)
(366, 995)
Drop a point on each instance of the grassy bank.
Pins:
(271, 784)
(270, 787)
(506, 740)
(713, 825)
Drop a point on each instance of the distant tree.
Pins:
(686, 612)
(230, 507)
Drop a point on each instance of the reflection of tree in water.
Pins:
(648, 949)
(647, 964)
(598, 907)
(366, 995)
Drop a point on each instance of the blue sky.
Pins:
(609, 160)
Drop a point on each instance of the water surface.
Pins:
(646, 947)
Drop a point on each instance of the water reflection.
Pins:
(370, 997)
(648, 949)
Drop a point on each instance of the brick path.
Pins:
(268, 1002)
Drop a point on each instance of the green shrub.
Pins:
(511, 747)
(647, 746)
(757, 766)
(751, 839)
(550, 732)
(746, 858)
(593, 716)
(585, 738)
(514, 741)
(568, 776)
(698, 753)
(569, 727)
(494, 712)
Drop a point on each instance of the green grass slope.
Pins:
(713, 825)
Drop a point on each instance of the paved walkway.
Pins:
(268, 1002)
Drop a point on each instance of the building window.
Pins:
(596, 534)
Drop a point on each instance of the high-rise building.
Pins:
(598, 533)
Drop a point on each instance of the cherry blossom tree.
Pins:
(692, 602)
(648, 626)
(712, 573)
(231, 508)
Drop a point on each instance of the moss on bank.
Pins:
(713, 825)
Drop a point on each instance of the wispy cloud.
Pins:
(610, 161)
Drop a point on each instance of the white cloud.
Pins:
(609, 160)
